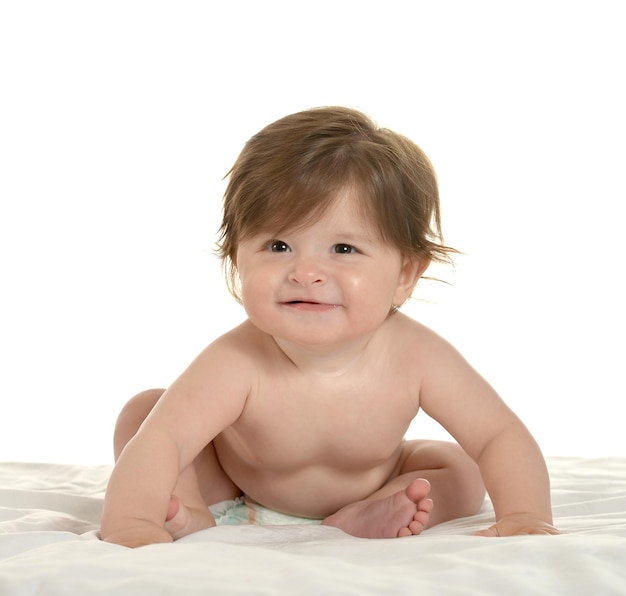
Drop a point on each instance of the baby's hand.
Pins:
(518, 524)
(138, 535)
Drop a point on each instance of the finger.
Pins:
(550, 531)
(491, 532)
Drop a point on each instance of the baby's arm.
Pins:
(516, 478)
(140, 487)
(510, 461)
(208, 397)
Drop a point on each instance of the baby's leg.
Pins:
(201, 484)
(434, 481)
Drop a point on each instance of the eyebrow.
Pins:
(361, 236)
(363, 233)
(355, 238)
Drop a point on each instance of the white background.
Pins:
(119, 120)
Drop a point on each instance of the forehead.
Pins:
(344, 209)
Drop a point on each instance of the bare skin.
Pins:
(401, 508)
(304, 408)
(404, 513)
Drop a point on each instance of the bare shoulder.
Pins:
(244, 345)
(212, 392)
(226, 366)
(234, 358)
(420, 338)
(432, 357)
(446, 378)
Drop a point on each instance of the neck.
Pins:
(325, 362)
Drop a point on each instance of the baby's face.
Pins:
(324, 285)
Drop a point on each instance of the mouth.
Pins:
(309, 305)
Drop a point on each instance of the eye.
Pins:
(344, 249)
(278, 246)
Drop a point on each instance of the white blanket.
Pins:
(49, 518)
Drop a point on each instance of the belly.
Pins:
(307, 484)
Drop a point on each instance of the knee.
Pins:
(468, 475)
(132, 416)
(463, 477)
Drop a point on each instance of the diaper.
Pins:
(244, 510)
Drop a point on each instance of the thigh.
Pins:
(456, 484)
(215, 485)
(427, 454)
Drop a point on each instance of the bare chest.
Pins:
(345, 422)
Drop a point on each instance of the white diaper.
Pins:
(243, 510)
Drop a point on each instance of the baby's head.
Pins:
(289, 173)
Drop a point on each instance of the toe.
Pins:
(416, 527)
(421, 517)
(418, 490)
(426, 505)
(173, 508)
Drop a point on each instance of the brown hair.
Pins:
(289, 172)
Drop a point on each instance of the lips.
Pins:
(309, 305)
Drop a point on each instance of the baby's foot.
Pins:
(404, 513)
(182, 520)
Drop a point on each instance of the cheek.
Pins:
(374, 289)
(252, 291)
(257, 291)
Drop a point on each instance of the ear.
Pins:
(412, 269)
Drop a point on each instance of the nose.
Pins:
(307, 272)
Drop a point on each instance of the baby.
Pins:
(329, 223)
